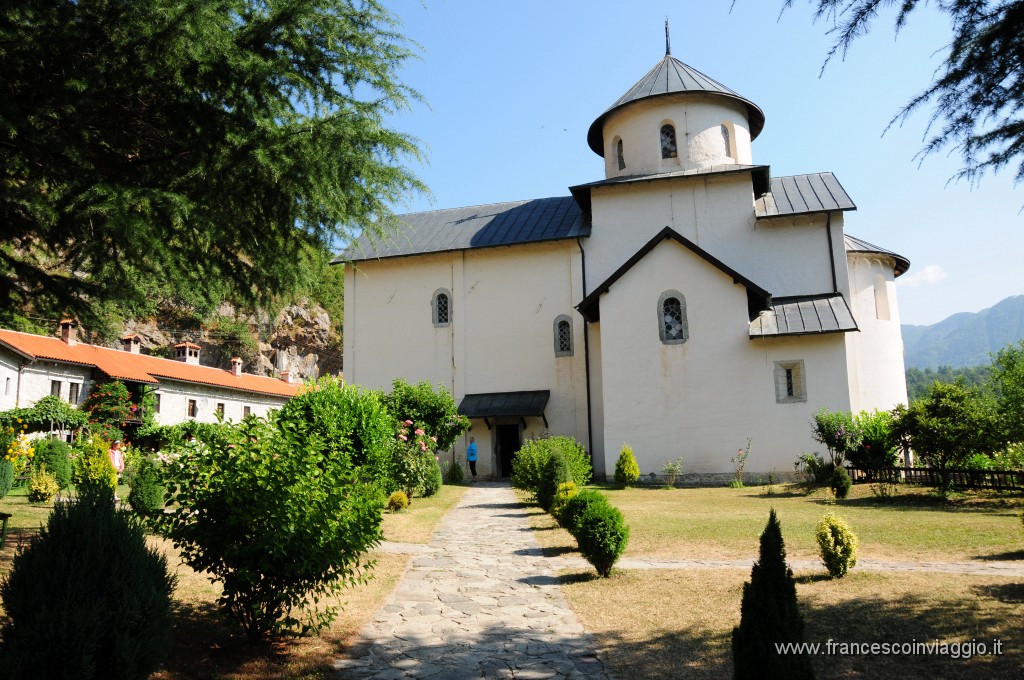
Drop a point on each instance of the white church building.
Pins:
(682, 304)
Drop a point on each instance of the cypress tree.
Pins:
(769, 614)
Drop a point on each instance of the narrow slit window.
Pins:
(619, 155)
(563, 336)
(790, 382)
(726, 140)
(668, 142)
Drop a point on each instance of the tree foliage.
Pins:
(202, 144)
(1008, 381)
(435, 411)
(919, 381)
(977, 96)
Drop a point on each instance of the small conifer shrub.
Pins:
(147, 494)
(92, 468)
(432, 480)
(566, 490)
(841, 482)
(769, 614)
(602, 537)
(42, 487)
(454, 474)
(87, 598)
(626, 469)
(571, 517)
(6, 477)
(56, 456)
(398, 501)
(837, 545)
(556, 472)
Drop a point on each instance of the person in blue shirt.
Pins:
(471, 457)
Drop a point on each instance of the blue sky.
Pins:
(511, 88)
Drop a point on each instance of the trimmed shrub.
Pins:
(572, 513)
(454, 473)
(6, 477)
(42, 487)
(147, 493)
(602, 537)
(837, 545)
(87, 598)
(93, 470)
(433, 481)
(529, 462)
(56, 455)
(626, 469)
(398, 501)
(565, 491)
(841, 482)
(769, 614)
(556, 472)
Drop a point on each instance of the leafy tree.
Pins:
(108, 406)
(436, 412)
(203, 144)
(46, 415)
(272, 515)
(1008, 380)
(838, 431)
(948, 426)
(769, 614)
(978, 92)
(878, 447)
(919, 381)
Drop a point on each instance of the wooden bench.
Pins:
(4, 516)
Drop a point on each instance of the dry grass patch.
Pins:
(418, 523)
(722, 523)
(678, 624)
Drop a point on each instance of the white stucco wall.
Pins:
(703, 398)
(23, 384)
(875, 355)
(697, 120)
(501, 336)
(174, 397)
(784, 256)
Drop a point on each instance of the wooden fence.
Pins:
(959, 478)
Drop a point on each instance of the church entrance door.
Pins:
(507, 445)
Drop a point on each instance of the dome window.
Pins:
(727, 140)
(619, 155)
(668, 142)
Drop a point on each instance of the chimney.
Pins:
(69, 331)
(131, 343)
(286, 376)
(187, 352)
(236, 366)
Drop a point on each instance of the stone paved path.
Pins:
(480, 601)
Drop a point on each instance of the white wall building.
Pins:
(34, 366)
(682, 304)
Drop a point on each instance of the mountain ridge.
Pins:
(964, 338)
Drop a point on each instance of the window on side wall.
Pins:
(790, 382)
(220, 410)
(620, 157)
(726, 139)
(668, 142)
(673, 328)
(442, 307)
(156, 402)
(246, 411)
(563, 336)
(55, 388)
(73, 392)
(193, 409)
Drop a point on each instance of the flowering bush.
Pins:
(17, 453)
(838, 431)
(413, 460)
(109, 407)
(434, 412)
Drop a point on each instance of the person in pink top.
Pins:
(117, 456)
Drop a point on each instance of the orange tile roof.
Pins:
(142, 368)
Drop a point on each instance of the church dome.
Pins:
(672, 77)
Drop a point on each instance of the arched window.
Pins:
(563, 336)
(442, 307)
(672, 325)
(668, 142)
(726, 140)
(881, 298)
(619, 156)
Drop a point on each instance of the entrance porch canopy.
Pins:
(505, 405)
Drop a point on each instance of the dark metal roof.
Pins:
(669, 77)
(856, 245)
(804, 315)
(802, 195)
(482, 226)
(505, 404)
(590, 306)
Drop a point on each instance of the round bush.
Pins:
(55, 454)
(397, 501)
(572, 513)
(556, 472)
(42, 487)
(432, 481)
(529, 462)
(454, 474)
(841, 482)
(92, 470)
(147, 494)
(87, 598)
(626, 469)
(602, 537)
(837, 545)
(6, 477)
(565, 491)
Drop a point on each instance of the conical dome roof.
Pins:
(668, 77)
